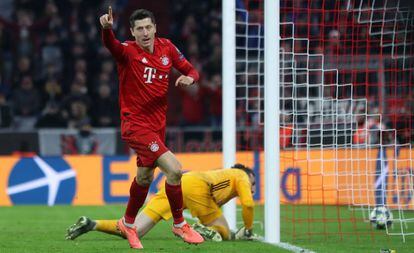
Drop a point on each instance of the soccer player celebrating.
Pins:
(204, 193)
(144, 67)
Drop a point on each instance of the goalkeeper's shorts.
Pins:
(196, 196)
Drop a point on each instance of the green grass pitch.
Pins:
(42, 229)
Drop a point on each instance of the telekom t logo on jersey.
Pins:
(149, 74)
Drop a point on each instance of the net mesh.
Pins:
(346, 98)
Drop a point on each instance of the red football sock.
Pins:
(137, 196)
(175, 197)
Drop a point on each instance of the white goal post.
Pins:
(229, 97)
(271, 120)
(271, 111)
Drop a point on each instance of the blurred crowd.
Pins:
(55, 72)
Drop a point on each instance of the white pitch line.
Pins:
(283, 245)
(293, 248)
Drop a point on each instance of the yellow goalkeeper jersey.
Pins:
(227, 184)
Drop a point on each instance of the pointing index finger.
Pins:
(110, 11)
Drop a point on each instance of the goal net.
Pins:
(346, 113)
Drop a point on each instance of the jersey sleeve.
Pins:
(243, 188)
(117, 49)
(181, 64)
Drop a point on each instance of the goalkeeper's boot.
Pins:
(131, 234)
(188, 234)
(82, 226)
(207, 233)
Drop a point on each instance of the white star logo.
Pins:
(52, 179)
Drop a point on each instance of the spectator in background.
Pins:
(6, 57)
(25, 40)
(52, 92)
(214, 55)
(23, 68)
(89, 27)
(106, 75)
(51, 117)
(49, 72)
(214, 105)
(51, 52)
(370, 128)
(214, 61)
(104, 78)
(80, 78)
(333, 46)
(26, 103)
(286, 130)
(78, 93)
(78, 51)
(27, 28)
(192, 47)
(80, 70)
(107, 67)
(55, 22)
(4, 87)
(85, 141)
(5, 112)
(78, 114)
(192, 106)
(189, 28)
(106, 111)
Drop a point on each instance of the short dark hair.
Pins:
(244, 168)
(141, 14)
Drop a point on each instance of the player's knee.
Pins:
(144, 180)
(176, 175)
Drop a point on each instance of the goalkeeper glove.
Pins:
(246, 234)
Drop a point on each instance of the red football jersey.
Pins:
(144, 78)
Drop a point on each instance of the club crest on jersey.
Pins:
(153, 146)
(165, 60)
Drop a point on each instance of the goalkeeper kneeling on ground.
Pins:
(203, 194)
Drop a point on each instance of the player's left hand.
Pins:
(184, 81)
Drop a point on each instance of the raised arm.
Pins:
(116, 48)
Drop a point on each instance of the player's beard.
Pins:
(147, 43)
